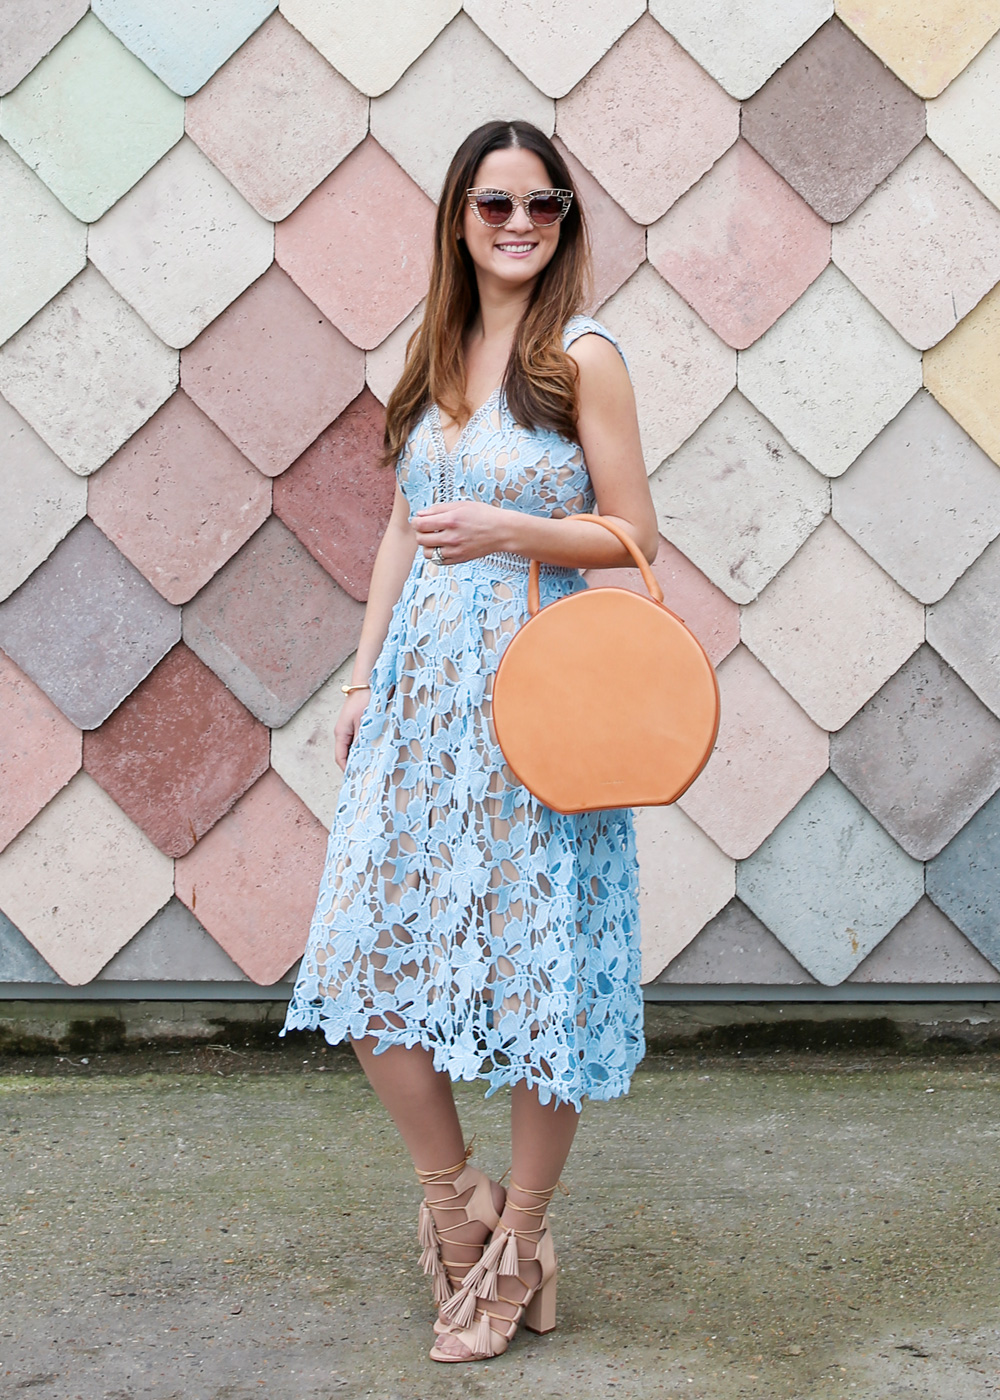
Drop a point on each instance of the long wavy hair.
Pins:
(540, 379)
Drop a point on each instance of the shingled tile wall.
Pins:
(214, 225)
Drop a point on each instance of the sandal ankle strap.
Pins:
(438, 1177)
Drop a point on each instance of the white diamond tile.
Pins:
(41, 244)
(62, 881)
(737, 500)
(924, 248)
(384, 364)
(963, 121)
(371, 44)
(42, 501)
(553, 53)
(86, 372)
(965, 627)
(832, 627)
(182, 245)
(741, 42)
(302, 751)
(830, 373)
(680, 368)
(28, 30)
(461, 81)
(923, 499)
(684, 880)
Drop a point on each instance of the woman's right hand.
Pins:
(347, 726)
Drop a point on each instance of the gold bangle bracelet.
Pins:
(350, 689)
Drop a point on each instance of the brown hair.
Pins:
(540, 379)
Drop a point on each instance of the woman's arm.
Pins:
(609, 436)
(392, 564)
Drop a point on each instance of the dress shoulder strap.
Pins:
(586, 325)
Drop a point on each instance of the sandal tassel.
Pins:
(483, 1344)
(460, 1309)
(510, 1262)
(427, 1236)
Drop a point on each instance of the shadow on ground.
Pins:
(220, 1224)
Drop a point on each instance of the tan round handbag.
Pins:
(605, 698)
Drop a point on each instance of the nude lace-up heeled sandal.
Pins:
(469, 1198)
(482, 1331)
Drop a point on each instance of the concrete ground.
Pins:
(215, 1224)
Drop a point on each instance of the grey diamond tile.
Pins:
(964, 880)
(923, 499)
(925, 946)
(965, 627)
(87, 627)
(172, 947)
(735, 947)
(922, 755)
(830, 882)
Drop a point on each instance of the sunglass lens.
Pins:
(545, 209)
(494, 209)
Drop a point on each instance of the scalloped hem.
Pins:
(311, 1019)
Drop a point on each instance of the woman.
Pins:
(463, 930)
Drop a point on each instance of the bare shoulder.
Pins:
(602, 369)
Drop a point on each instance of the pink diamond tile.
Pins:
(43, 245)
(272, 372)
(39, 750)
(832, 627)
(371, 44)
(833, 121)
(178, 753)
(90, 119)
(648, 121)
(741, 42)
(81, 880)
(618, 243)
(337, 498)
(712, 617)
(768, 755)
(924, 248)
(554, 54)
(965, 627)
(86, 372)
(42, 501)
(361, 269)
(303, 750)
(181, 245)
(737, 500)
(927, 42)
(684, 880)
(29, 30)
(87, 627)
(923, 500)
(252, 880)
(735, 947)
(925, 946)
(276, 119)
(273, 624)
(680, 369)
(461, 81)
(384, 364)
(740, 246)
(178, 499)
(830, 373)
(962, 121)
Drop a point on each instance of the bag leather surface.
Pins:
(605, 698)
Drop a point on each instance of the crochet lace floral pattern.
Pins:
(456, 911)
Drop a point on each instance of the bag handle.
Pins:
(648, 577)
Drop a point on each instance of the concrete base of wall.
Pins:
(68, 1027)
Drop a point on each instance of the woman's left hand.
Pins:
(462, 530)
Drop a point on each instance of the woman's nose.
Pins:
(519, 221)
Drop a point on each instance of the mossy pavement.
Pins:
(216, 1223)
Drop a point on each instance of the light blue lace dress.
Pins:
(456, 911)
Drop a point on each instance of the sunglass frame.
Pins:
(565, 198)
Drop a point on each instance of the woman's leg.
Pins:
(541, 1138)
(419, 1100)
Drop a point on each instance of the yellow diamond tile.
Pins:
(924, 42)
(963, 373)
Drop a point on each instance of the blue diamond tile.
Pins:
(172, 947)
(830, 882)
(735, 947)
(964, 880)
(19, 961)
(183, 42)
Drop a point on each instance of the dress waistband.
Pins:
(500, 565)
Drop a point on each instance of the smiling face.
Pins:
(515, 255)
